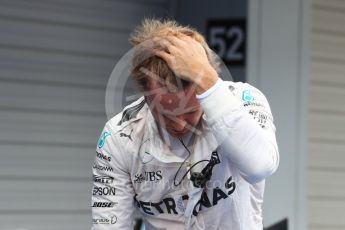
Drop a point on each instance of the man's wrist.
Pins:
(211, 90)
(207, 81)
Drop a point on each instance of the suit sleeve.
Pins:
(242, 123)
(112, 194)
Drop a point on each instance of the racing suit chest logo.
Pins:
(150, 176)
(173, 205)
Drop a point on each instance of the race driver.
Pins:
(193, 152)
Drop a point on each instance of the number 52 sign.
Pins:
(227, 37)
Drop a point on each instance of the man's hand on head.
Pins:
(188, 59)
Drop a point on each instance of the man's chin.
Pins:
(178, 134)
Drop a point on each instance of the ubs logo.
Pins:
(148, 176)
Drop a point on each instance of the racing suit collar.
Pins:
(151, 132)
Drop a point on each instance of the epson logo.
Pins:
(103, 191)
(103, 179)
(102, 168)
(102, 156)
(103, 204)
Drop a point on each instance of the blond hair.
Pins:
(145, 62)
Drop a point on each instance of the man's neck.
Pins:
(174, 142)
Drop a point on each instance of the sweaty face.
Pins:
(177, 112)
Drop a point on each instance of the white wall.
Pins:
(278, 65)
(326, 196)
(55, 59)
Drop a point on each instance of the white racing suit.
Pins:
(135, 169)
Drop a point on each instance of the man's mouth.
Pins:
(180, 132)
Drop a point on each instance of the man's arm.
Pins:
(112, 195)
(243, 126)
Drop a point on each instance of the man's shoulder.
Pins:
(131, 113)
(246, 92)
(238, 87)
